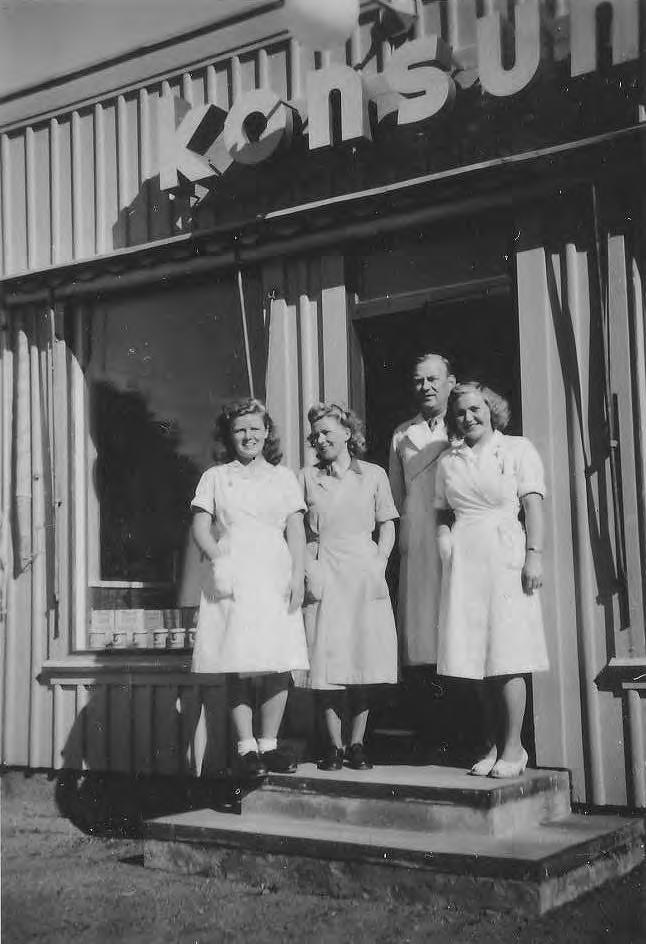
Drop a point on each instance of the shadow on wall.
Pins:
(120, 771)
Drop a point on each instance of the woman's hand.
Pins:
(296, 593)
(532, 572)
(444, 544)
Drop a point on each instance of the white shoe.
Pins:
(484, 766)
(504, 769)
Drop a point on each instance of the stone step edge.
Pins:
(349, 844)
(500, 792)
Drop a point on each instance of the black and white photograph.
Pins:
(323, 471)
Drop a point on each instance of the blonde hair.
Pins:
(498, 406)
(347, 418)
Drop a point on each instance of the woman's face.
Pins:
(329, 438)
(248, 435)
(472, 417)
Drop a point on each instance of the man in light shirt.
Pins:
(415, 448)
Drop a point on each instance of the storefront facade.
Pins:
(231, 211)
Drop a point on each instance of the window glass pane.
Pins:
(161, 365)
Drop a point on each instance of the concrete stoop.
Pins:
(422, 834)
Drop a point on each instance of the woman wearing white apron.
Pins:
(349, 620)
(248, 521)
(491, 628)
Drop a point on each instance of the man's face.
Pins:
(432, 386)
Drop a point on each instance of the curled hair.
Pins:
(498, 406)
(420, 358)
(347, 418)
(223, 450)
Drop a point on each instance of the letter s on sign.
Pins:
(418, 72)
(278, 124)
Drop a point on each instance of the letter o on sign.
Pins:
(265, 110)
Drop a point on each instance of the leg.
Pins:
(360, 706)
(332, 704)
(486, 695)
(360, 701)
(513, 696)
(272, 709)
(512, 756)
(274, 698)
(241, 700)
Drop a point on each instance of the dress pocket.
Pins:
(314, 580)
(223, 577)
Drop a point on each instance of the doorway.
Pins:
(427, 718)
(478, 332)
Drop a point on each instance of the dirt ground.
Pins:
(60, 885)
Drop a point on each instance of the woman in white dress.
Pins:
(349, 619)
(248, 521)
(491, 627)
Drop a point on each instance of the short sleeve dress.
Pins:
(488, 624)
(349, 619)
(244, 625)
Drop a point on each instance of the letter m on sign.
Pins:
(185, 135)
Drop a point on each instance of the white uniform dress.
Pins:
(488, 624)
(244, 625)
(414, 453)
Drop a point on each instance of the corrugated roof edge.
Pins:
(139, 64)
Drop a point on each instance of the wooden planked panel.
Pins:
(158, 208)
(622, 380)
(68, 727)
(6, 387)
(217, 732)
(190, 707)
(107, 174)
(97, 728)
(166, 726)
(14, 158)
(17, 681)
(62, 191)
(283, 394)
(84, 184)
(278, 69)
(40, 236)
(142, 737)
(557, 709)
(120, 731)
(636, 700)
(334, 318)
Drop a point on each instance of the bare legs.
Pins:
(334, 703)
(502, 700)
(273, 694)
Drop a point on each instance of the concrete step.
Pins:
(530, 871)
(415, 798)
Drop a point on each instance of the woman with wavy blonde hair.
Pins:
(491, 630)
(349, 620)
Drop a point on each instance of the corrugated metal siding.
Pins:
(84, 182)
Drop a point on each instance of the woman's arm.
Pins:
(295, 537)
(202, 536)
(385, 539)
(532, 573)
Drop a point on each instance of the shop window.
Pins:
(158, 368)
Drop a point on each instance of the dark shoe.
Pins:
(250, 766)
(355, 757)
(280, 762)
(333, 760)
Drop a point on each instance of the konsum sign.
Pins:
(199, 144)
